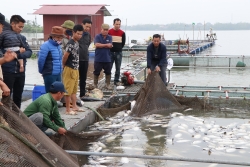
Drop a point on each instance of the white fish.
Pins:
(132, 104)
(164, 125)
(178, 135)
(230, 150)
(212, 165)
(205, 138)
(124, 160)
(189, 109)
(197, 136)
(191, 131)
(183, 141)
(159, 136)
(197, 142)
(101, 144)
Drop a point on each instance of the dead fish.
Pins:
(182, 141)
(189, 109)
(178, 135)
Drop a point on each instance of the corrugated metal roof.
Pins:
(56, 9)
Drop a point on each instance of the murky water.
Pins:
(192, 134)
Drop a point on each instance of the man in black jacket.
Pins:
(84, 43)
(12, 76)
(156, 57)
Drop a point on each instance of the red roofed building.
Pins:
(55, 15)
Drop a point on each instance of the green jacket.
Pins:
(46, 105)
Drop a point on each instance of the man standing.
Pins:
(43, 112)
(50, 58)
(103, 43)
(68, 27)
(13, 77)
(84, 43)
(70, 71)
(119, 39)
(156, 57)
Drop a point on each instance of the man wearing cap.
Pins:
(11, 39)
(103, 43)
(50, 57)
(84, 43)
(43, 112)
(68, 27)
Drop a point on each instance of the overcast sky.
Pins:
(147, 11)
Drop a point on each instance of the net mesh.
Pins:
(22, 143)
(153, 97)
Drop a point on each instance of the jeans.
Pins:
(83, 72)
(163, 68)
(117, 58)
(15, 82)
(49, 79)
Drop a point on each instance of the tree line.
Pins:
(32, 27)
(187, 27)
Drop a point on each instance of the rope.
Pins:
(95, 112)
(157, 157)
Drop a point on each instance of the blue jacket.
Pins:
(11, 39)
(50, 58)
(162, 54)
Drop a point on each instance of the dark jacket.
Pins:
(50, 58)
(9, 38)
(84, 43)
(162, 54)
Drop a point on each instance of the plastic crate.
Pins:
(38, 91)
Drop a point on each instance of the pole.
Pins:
(157, 157)
(193, 32)
(204, 31)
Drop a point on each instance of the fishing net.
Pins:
(23, 144)
(154, 97)
(114, 105)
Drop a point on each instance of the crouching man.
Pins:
(43, 112)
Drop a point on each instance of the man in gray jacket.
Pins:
(84, 43)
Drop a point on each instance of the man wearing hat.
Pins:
(103, 43)
(68, 27)
(43, 112)
(50, 57)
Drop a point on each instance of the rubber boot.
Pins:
(96, 81)
(107, 81)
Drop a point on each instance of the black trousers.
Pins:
(15, 82)
(83, 72)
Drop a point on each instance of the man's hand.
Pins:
(62, 131)
(149, 71)
(22, 50)
(9, 56)
(157, 68)
(5, 89)
(109, 45)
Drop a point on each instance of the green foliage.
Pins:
(33, 56)
(188, 27)
(31, 27)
